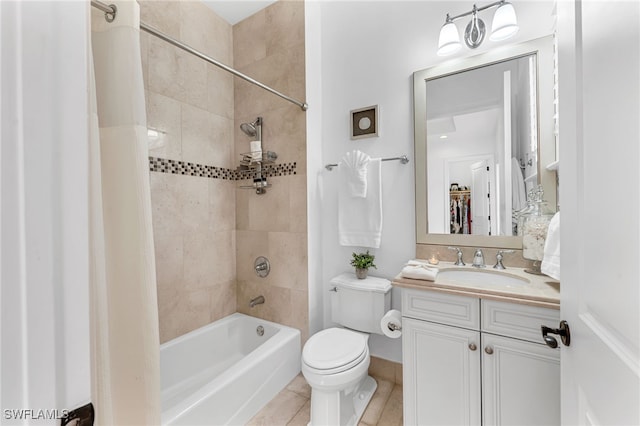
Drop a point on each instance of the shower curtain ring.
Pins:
(111, 16)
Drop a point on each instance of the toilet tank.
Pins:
(360, 304)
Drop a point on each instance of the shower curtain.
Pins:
(124, 316)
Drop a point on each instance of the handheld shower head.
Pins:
(251, 129)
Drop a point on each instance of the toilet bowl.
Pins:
(335, 363)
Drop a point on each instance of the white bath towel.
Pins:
(418, 270)
(360, 219)
(551, 259)
(355, 163)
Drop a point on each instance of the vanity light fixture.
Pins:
(503, 26)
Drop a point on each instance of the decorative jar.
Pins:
(534, 231)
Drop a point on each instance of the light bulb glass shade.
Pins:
(505, 23)
(449, 41)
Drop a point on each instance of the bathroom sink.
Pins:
(481, 278)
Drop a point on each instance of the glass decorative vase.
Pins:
(535, 224)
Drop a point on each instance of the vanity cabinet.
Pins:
(468, 361)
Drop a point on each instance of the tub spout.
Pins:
(256, 301)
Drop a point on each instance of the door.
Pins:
(519, 382)
(599, 98)
(441, 374)
(480, 198)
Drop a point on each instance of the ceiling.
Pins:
(234, 11)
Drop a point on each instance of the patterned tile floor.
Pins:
(291, 407)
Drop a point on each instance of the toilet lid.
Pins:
(334, 350)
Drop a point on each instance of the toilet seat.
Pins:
(334, 350)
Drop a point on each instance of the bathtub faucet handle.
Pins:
(256, 301)
(262, 266)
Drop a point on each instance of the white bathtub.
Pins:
(224, 373)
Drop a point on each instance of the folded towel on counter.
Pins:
(360, 219)
(355, 164)
(417, 270)
(551, 259)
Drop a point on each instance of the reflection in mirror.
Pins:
(481, 147)
(495, 111)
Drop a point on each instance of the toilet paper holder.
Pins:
(391, 324)
(394, 327)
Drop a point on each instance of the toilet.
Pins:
(335, 361)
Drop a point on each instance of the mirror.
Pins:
(484, 132)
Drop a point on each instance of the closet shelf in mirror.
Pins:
(459, 192)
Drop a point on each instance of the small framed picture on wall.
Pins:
(364, 122)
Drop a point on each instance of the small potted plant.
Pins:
(362, 262)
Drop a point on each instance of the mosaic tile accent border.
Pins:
(164, 165)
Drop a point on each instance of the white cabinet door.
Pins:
(441, 374)
(520, 382)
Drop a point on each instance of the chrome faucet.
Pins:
(459, 262)
(256, 301)
(478, 259)
(499, 257)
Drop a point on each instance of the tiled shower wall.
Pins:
(190, 104)
(207, 232)
(269, 46)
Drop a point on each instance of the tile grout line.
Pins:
(386, 401)
(395, 385)
(299, 410)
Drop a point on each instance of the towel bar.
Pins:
(403, 159)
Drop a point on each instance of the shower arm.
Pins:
(110, 13)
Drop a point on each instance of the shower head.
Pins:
(251, 129)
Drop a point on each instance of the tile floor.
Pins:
(292, 406)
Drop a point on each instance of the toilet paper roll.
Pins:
(391, 324)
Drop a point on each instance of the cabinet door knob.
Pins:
(488, 350)
(472, 346)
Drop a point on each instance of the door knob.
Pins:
(488, 350)
(563, 331)
(472, 346)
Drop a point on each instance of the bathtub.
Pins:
(224, 372)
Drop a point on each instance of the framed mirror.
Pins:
(483, 134)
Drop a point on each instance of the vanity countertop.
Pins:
(540, 290)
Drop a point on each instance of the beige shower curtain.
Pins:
(124, 316)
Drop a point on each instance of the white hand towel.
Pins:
(551, 259)
(356, 163)
(360, 219)
(417, 270)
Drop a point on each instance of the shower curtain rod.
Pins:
(110, 12)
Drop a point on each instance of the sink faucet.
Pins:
(499, 257)
(256, 301)
(459, 262)
(478, 259)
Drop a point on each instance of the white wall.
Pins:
(366, 61)
(368, 52)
